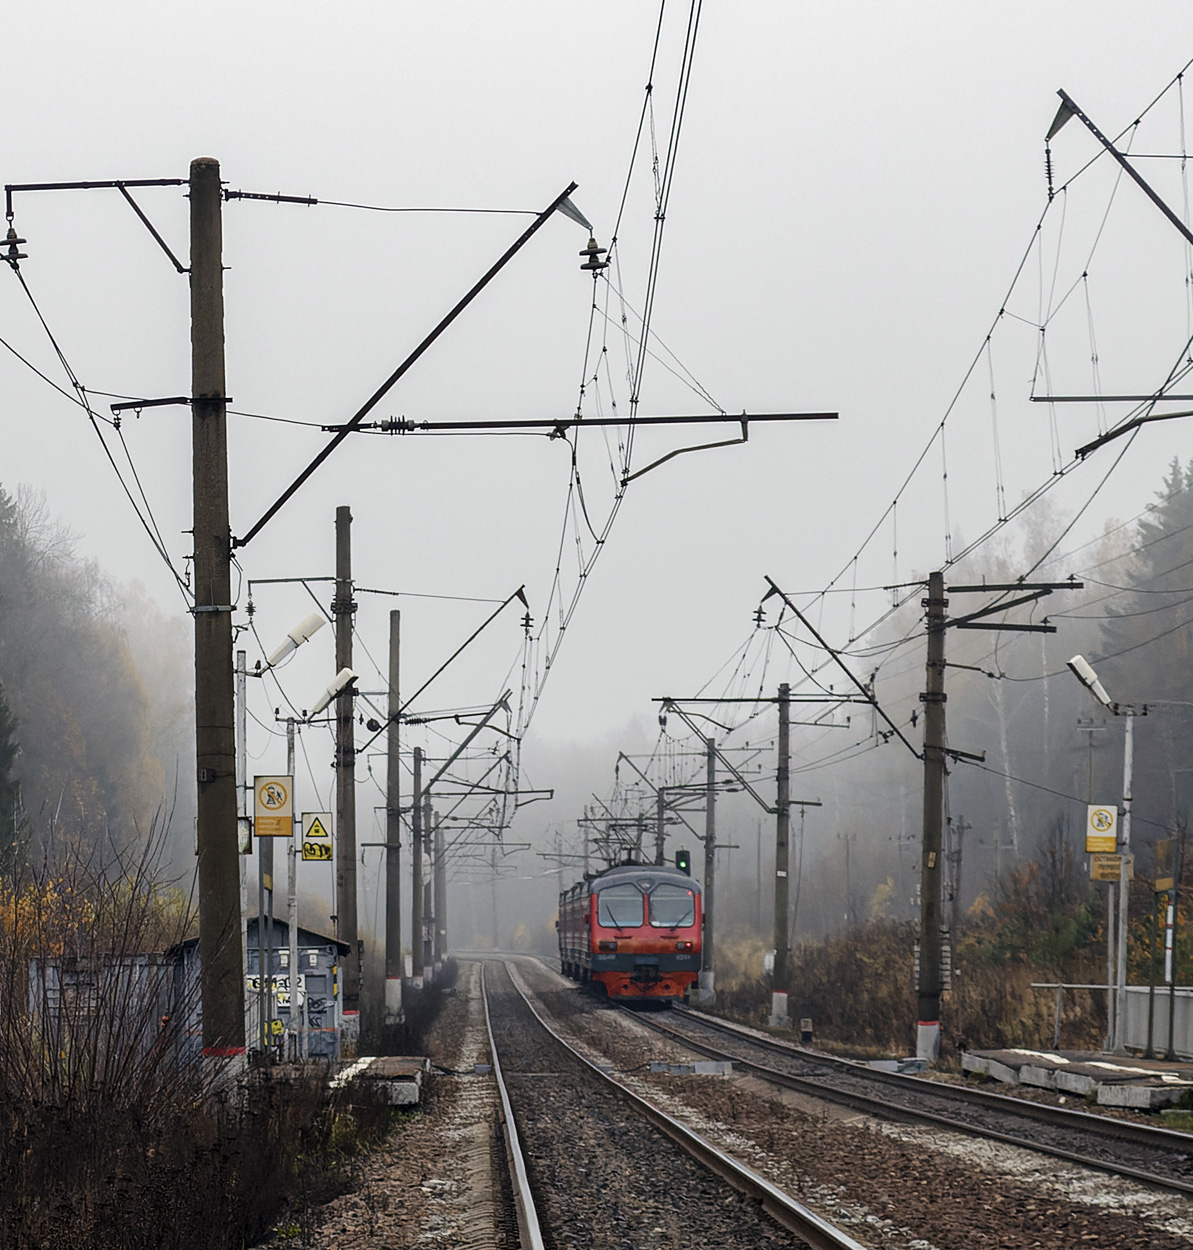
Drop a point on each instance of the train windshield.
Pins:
(620, 907)
(672, 907)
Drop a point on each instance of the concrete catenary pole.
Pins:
(416, 872)
(296, 1017)
(221, 981)
(440, 944)
(393, 836)
(343, 608)
(707, 959)
(493, 895)
(1124, 887)
(428, 888)
(660, 825)
(928, 1001)
(243, 839)
(778, 999)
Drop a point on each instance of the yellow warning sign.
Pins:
(273, 807)
(1110, 867)
(1101, 829)
(316, 850)
(316, 825)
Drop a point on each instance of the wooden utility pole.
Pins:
(708, 990)
(393, 837)
(416, 873)
(221, 964)
(933, 698)
(343, 608)
(778, 998)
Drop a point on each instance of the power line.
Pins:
(146, 518)
(938, 430)
(310, 201)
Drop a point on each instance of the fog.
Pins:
(858, 221)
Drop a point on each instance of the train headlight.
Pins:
(683, 946)
(606, 945)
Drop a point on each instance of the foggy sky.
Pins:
(855, 187)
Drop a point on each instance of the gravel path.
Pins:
(887, 1184)
(434, 1183)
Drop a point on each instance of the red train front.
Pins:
(633, 930)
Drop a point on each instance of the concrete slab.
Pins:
(1075, 1082)
(1144, 1095)
(399, 1077)
(984, 1064)
(1120, 1081)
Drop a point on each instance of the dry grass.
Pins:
(108, 1140)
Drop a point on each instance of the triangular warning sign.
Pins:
(317, 830)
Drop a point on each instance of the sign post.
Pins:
(273, 817)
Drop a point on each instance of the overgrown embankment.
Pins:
(1044, 923)
(109, 1138)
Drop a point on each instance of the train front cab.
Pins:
(645, 927)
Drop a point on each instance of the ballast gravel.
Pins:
(888, 1185)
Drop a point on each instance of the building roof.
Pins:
(281, 936)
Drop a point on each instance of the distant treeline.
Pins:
(94, 690)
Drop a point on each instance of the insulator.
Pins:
(13, 243)
(594, 253)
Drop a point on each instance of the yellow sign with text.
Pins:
(1101, 829)
(273, 807)
(1110, 867)
(317, 851)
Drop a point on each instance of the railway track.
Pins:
(585, 1170)
(1152, 1156)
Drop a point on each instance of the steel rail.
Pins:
(871, 1104)
(1085, 1121)
(530, 1234)
(781, 1207)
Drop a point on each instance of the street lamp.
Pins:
(301, 633)
(1084, 672)
(344, 678)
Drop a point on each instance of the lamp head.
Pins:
(1083, 671)
(295, 638)
(338, 684)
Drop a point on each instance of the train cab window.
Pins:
(672, 907)
(620, 907)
